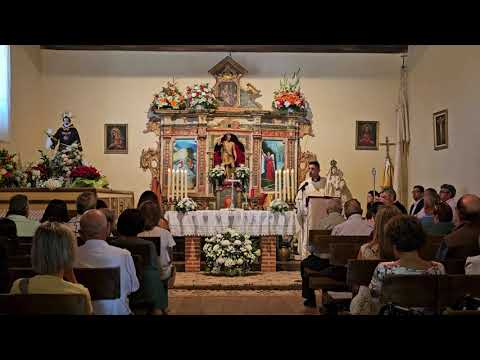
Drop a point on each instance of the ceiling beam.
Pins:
(296, 48)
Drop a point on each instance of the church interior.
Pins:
(239, 180)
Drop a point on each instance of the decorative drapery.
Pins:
(400, 182)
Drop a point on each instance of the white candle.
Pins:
(289, 185)
(173, 183)
(175, 180)
(186, 183)
(292, 185)
(169, 183)
(179, 187)
(284, 185)
(275, 194)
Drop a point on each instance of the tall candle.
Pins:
(169, 183)
(285, 185)
(292, 187)
(275, 195)
(173, 183)
(179, 177)
(186, 183)
(289, 185)
(175, 179)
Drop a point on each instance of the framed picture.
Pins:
(440, 130)
(185, 158)
(273, 158)
(116, 139)
(228, 93)
(366, 135)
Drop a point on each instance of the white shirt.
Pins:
(166, 242)
(353, 226)
(421, 214)
(415, 203)
(98, 254)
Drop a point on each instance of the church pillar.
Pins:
(269, 254)
(192, 253)
(257, 138)
(202, 159)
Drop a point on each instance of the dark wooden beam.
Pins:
(379, 49)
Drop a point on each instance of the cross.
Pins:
(387, 144)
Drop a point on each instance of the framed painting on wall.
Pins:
(366, 135)
(440, 130)
(116, 139)
(184, 157)
(273, 158)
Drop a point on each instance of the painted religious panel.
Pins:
(228, 93)
(184, 157)
(116, 139)
(366, 135)
(273, 158)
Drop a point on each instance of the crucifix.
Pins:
(387, 143)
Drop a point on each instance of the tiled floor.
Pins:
(238, 302)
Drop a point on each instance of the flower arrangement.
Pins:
(278, 206)
(201, 97)
(52, 183)
(230, 253)
(87, 176)
(217, 172)
(242, 173)
(8, 169)
(64, 161)
(185, 205)
(289, 97)
(169, 98)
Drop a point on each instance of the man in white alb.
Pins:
(313, 185)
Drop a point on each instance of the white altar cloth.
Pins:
(211, 222)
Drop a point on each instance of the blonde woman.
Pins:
(53, 255)
(379, 247)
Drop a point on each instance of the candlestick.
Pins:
(169, 183)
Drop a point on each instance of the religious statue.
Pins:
(66, 135)
(229, 153)
(336, 185)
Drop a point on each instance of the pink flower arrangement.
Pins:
(85, 172)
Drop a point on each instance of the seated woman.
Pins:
(376, 248)
(53, 255)
(371, 200)
(130, 224)
(151, 196)
(56, 211)
(442, 223)
(8, 236)
(151, 214)
(407, 237)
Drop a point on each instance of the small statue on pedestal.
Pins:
(64, 136)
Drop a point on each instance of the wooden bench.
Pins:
(102, 283)
(322, 242)
(43, 304)
(21, 261)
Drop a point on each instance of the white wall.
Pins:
(110, 87)
(445, 77)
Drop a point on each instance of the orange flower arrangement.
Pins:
(289, 98)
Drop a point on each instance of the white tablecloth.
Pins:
(211, 222)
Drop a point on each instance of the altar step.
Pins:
(281, 280)
(292, 265)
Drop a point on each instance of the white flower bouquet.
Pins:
(52, 183)
(230, 253)
(217, 172)
(201, 97)
(278, 206)
(242, 173)
(185, 205)
(64, 161)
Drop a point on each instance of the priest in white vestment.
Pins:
(313, 185)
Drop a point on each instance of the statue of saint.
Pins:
(229, 153)
(66, 135)
(336, 185)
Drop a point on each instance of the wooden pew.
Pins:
(360, 272)
(43, 304)
(322, 242)
(102, 283)
(21, 261)
(340, 253)
(429, 250)
(411, 291)
(453, 288)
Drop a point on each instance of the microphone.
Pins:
(302, 188)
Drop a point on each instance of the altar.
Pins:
(197, 224)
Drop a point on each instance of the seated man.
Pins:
(18, 211)
(85, 201)
(389, 197)
(354, 225)
(463, 241)
(96, 253)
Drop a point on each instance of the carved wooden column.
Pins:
(257, 139)
(202, 151)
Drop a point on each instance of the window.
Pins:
(4, 92)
